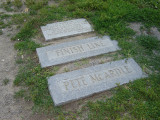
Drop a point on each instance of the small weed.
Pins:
(85, 61)
(55, 68)
(19, 61)
(9, 34)
(4, 16)
(27, 98)
(77, 64)
(17, 3)
(148, 42)
(35, 5)
(1, 32)
(129, 48)
(66, 69)
(20, 18)
(8, 2)
(20, 94)
(142, 28)
(5, 81)
(102, 62)
(29, 2)
(1, 23)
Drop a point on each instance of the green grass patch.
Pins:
(4, 16)
(20, 18)
(7, 6)
(26, 46)
(35, 78)
(35, 5)
(138, 100)
(19, 61)
(27, 31)
(3, 25)
(149, 42)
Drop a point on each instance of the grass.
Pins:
(26, 45)
(4, 16)
(20, 94)
(136, 100)
(66, 70)
(19, 61)
(17, 3)
(113, 15)
(148, 42)
(7, 6)
(4, 21)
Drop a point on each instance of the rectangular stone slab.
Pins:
(77, 84)
(75, 50)
(66, 28)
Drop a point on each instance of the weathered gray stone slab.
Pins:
(74, 85)
(75, 50)
(66, 28)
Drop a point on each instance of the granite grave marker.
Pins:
(77, 84)
(75, 50)
(66, 28)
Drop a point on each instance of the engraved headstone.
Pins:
(77, 84)
(75, 50)
(66, 28)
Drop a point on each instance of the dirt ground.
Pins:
(11, 108)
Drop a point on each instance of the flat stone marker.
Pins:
(77, 84)
(66, 28)
(75, 50)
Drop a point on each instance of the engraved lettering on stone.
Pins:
(72, 83)
(75, 83)
(61, 27)
(80, 81)
(66, 85)
(77, 49)
(106, 75)
(126, 67)
(118, 71)
(95, 77)
(84, 82)
(66, 28)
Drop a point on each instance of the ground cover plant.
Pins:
(137, 100)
